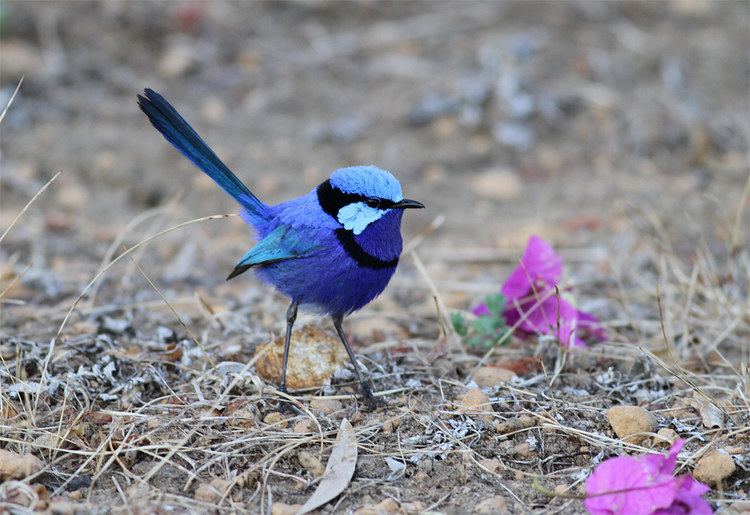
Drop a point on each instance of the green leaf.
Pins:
(496, 304)
(459, 324)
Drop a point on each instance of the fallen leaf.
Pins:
(339, 469)
(710, 414)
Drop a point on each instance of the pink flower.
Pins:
(536, 306)
(644, 486)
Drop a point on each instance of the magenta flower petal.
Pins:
(553, 316)
(628, 485)
(481, 310)
(535, 278)
(539, 266)
(644, 485)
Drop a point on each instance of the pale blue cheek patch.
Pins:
(357, 216)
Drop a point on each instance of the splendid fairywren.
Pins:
(334, 249)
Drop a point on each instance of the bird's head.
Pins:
(360, 195)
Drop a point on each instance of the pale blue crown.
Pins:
(368, 181)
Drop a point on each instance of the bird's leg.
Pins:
(370, 399)
(291, 316)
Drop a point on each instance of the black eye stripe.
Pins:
(333, 199)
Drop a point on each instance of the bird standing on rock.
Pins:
(334, 249)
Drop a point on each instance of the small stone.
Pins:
(314, 356)
(305, 425)
(311, 463)
(494, 184)
(713, 467)
(391, 425)
(374, 329)
(207, 493)
(493, 465)
(387, 505)
(413, 507)
(488, 377)
(516, 424)
(523, 449)
(475, 403)
(242, 418)
(326, 406)
(421, 476)
(495, 504)
(279, 508)
(665, 436)
(630, 422)
(275, 418)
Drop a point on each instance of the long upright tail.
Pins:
(183, 137)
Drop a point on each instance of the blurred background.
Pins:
(587, 123)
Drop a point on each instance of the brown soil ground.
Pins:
(620, 132)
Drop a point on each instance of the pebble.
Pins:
(275, 418)
(314, 356)
(665, 436)
(493, 465)
(326, 406)
(279, 508)
(211, 492)
(18, 466)
(304, 426)
(629, 421)
(488, 377)
(387, 505)
(475, 403)
(495, 504)
(311, 463)
(713, 467)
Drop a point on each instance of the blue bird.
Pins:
(333, 250)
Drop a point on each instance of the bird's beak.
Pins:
(408, 204)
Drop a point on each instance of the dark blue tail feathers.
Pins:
(183, 137)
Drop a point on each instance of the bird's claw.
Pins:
(372, 402)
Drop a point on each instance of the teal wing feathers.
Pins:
(282, 243)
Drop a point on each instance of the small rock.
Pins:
(314, 356)
(665, 436)
(496, 504)
(475, 403)
(493, 465)
(326, 406)
(421, 476)
(629, 422)
(387, 505)
(305, 425)
(413, 507)
(179, 57)
(523, 449)
(211, 492)
(488, 377)
(516, 424)
(279, 508)
(391, 425)
(374, 329)
(242, 418)
(713, 467)
(496, 184)
(311, 463)
(18, 466)
(275, 418)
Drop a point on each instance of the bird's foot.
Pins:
(286, 406)
(372, 402)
